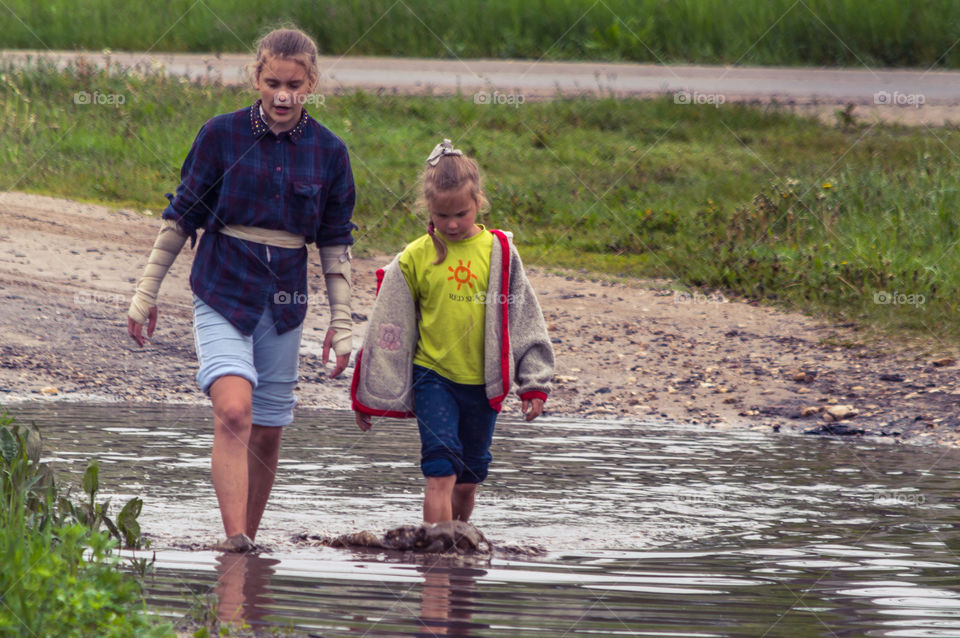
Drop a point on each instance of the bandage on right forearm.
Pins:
(167, 246)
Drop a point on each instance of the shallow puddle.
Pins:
(649, 529)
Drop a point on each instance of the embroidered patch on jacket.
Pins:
(389, 338)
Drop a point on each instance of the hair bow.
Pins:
(443, 148)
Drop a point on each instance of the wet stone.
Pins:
(430, 538)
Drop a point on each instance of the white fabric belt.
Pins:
(278, 238)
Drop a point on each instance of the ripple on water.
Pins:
(650, 528)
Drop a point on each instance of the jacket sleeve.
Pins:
(383, 377)
(337, 225)
(199, 188)
(529, 341)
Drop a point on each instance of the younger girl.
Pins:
(455, 319)
(262, 183)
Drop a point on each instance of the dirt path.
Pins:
(907, 96)
(636, 350)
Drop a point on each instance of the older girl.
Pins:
(262, 183)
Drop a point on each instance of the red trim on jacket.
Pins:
(534, 394)
(496, 402)
(380, 274)
(359, 407)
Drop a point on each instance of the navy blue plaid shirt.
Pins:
(239, 172)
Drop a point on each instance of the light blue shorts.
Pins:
(267, 360)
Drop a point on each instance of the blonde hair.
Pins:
(450, 173)
(291, 44)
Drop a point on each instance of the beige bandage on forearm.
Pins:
(336, 271)
(169, 241)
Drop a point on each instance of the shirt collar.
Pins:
(259, 126)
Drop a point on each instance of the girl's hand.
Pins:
(363, 421)
(532, 408)
(135, 329)
(342, 360)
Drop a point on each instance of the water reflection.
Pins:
(651, 529)
(446, 600)
(243, 588)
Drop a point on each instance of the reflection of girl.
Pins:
(454, 318)
(262, 182)
(243, 588)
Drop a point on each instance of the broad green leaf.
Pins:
(91, 478)
(8, 445)
(132, 509)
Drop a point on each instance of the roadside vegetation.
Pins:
(767, 32)
(62, 575)
(858, 221)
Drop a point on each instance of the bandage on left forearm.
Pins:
(337, 273)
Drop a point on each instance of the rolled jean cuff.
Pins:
(213, 370)
(440, 465)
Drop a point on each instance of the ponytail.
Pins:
(448, 169)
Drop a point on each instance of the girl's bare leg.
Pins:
(437, 499)
(232, 398)
(462, 501)
(262, 457)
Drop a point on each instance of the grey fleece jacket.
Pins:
(516, 345)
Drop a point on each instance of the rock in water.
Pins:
(430, 538)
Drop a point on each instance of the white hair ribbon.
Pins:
(443, 148)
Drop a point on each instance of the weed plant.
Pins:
(61, 575)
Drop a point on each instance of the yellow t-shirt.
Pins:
(451, 297)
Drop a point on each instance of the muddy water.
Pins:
(648, 529)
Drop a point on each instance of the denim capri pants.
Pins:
(456, 426)
(270, 362)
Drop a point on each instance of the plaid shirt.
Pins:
(239, 172)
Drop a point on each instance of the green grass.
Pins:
(758, 203)
(811, 32)
(61, 575)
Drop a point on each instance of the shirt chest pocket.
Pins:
(306, 200)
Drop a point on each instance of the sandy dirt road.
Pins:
(634, 350)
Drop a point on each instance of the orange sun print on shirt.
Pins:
(461, 274)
